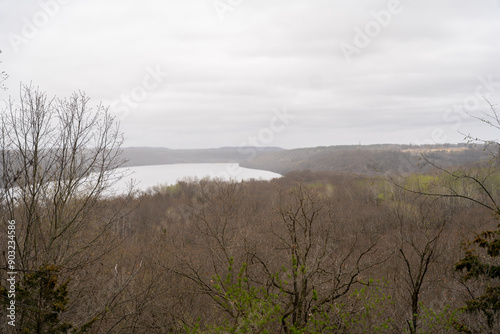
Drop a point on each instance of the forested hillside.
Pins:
(308, 253)
(366, 160)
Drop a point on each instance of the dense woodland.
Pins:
(312, 252)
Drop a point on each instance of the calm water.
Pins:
(148, 176)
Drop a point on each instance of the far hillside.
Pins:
(372, 159)
(357, 159)
(143, 156)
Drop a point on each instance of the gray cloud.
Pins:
(225, 77)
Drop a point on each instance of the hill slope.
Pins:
(368, 160)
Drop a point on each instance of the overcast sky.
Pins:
(288, 73)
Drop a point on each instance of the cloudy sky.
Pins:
(289, 73)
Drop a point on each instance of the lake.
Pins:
(149, 176)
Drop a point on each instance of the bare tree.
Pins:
(418, 247)
(211, 239)
(3, 77)
(57, 159)
(320, 264)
